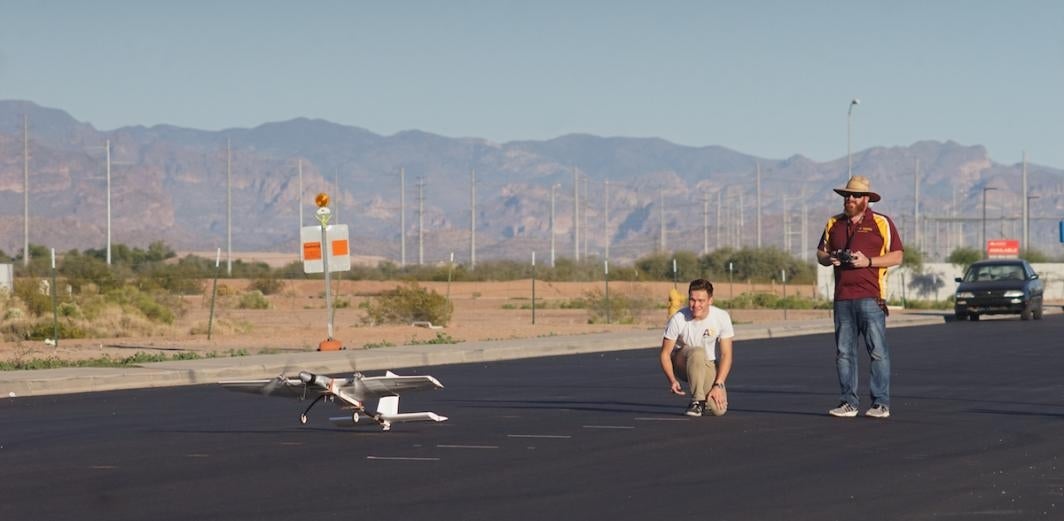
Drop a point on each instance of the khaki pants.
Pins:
(690, 365)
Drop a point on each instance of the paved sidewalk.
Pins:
(190, 372)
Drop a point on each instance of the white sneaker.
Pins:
(878, 411)
(844, 410)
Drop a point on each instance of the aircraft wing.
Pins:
(283, 387)
(393, 384)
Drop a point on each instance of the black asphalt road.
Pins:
(977, 433)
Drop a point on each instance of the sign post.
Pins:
(55, 305)
(325, 249)
(214, 291)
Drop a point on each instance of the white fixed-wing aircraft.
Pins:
(348, 394)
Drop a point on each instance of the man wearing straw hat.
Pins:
(861, 245)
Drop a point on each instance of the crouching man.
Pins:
(689, 351)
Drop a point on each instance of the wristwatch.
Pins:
(718, 384)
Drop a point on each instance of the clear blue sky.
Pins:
(770, 78)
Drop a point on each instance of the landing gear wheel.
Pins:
(354, 417)
(303, 419)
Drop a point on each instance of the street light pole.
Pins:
(849, 124)
(985, 190)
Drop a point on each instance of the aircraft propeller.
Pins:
(277, 381)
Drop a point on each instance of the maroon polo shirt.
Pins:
(874, 236)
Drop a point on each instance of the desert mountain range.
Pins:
(170, 183)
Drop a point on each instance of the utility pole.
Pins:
(805, 225)
(576, 216)
(421, 222)
(25, 190)
(402, 217)
(108, 147)
(705, 223)
(587, 210)
(1026, 209)
(786, 227)
(758, 204)
(299, 166)
(719, 199)
(336, 206)
(739, 225)
(553, 190)
(228, 208)
(606, 219)
(472, 218)
(916, 206)
(661, 218)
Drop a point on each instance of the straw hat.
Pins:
(858, 184)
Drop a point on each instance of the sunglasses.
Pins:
(853, 195)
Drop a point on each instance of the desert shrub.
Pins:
(409, 303)
(267, 285)
(253, 300)
(963, 257)
(145, 302)
(183, 278)
(440, 338)
(770, 301)
(69, 309)
(82, 270)
(43, 329)
(28, 290)
(1032, 255)
(624, 308)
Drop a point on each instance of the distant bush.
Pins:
(28, 290)
(964, 257)
(409, 303)
(624, 308)
(144, 302)
(440, 338)
(267, 284)
(253, 300)
(771, 301)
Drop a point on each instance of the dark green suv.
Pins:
(999, 287)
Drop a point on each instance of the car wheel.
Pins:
(974, 317)
(1025, 314)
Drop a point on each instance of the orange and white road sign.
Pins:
(339, 250)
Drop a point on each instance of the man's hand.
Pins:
(719, 397)
(827, 259)
(676, 389)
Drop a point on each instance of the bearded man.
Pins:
(861, 244)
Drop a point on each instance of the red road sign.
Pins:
(1003, 248)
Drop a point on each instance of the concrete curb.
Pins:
(193, 372)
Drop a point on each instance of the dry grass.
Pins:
(296, 319)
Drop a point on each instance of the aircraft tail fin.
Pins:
(388, 405)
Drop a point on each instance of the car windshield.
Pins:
(994, 272)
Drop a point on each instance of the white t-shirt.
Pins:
(687, 331)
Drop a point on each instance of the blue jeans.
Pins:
(854, 318)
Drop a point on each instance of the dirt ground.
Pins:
(297, 318)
